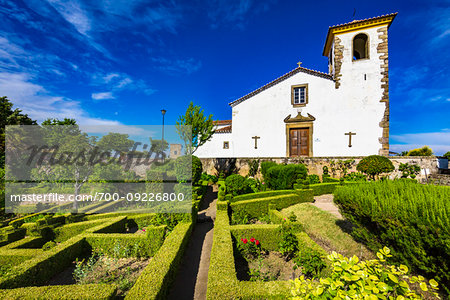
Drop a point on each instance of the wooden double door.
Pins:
(299, 141)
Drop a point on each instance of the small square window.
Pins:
(299, 95)
(226, 145)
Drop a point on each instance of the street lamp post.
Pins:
(163, 112)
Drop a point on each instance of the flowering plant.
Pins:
(250, 248)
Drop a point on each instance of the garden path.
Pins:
(325, 202)
(192, 277)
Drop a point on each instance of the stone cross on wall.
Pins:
(350, 137)
(256, 141)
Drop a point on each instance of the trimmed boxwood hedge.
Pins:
(85, 291)
(260, 195)
(269, 235)
(155, 280)
(222, 280)
(70, 230)
(42, 267)
(128, 245)
(259, 207)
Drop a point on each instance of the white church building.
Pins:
(304, 112)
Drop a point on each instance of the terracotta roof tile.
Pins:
(222, 122)
(226, 129)
(280, 79)
(364, 20)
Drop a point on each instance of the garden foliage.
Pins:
(281, 177)
(374, 165)
(237, 185)
(372, 279)
(412, 219)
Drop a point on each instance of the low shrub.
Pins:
(237, 185)
(409, 170)
(265, 166)
(351, 277)
(49, 245)
(313, 179)
(355, 176)
(375, 165)
(259, 207)
(289, 244)
(283, 177)
(412, 219)
(310, 261)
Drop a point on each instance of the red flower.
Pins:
(252, 240)
(257, 242)
(244, 241)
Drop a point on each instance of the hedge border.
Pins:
(222, 280)
(155, 280)
(56, 292)
(259, 207)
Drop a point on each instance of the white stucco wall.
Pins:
(355, 106)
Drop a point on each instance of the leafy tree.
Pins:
(447, 155)
(374, 165)
(70, 158)
(115, 142)
(158, 146)
(424, 151)
(8, 116)
(202, 128)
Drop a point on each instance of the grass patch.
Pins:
(328, 231)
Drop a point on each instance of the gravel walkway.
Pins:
(325, 202)
(192, 277)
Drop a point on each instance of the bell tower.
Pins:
(358, 60)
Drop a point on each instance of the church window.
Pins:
(299, 95)
(226, 145)
(360, 46)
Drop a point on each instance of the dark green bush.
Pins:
(355, 176)
(313, 179)
(237, 185)
(289, 244)
(253, 166)
(311, 261)
(183, 168)
(265, 166)
(196, 169)
(374, 165)
(282, 177)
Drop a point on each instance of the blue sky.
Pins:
(111, 62)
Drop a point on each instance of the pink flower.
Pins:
(244, 241)
(143, 229)
(252, 240)
(257, 242)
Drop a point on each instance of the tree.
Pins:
(202, 128)
(115, 142)
(69, 158)
(374, 165)
(424, 151)
(447, 155)
(8, 116)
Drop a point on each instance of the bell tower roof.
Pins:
(355, 25)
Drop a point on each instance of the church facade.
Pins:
(344, 112)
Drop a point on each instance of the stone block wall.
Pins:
(428, 164)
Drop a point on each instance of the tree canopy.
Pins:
(202, 127)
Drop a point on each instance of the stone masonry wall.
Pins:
(428, 165)
(382, 49)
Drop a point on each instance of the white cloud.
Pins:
(72, 12)
(438, 141)
(102, 96)
(40, 104)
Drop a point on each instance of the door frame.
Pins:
(300, 125)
